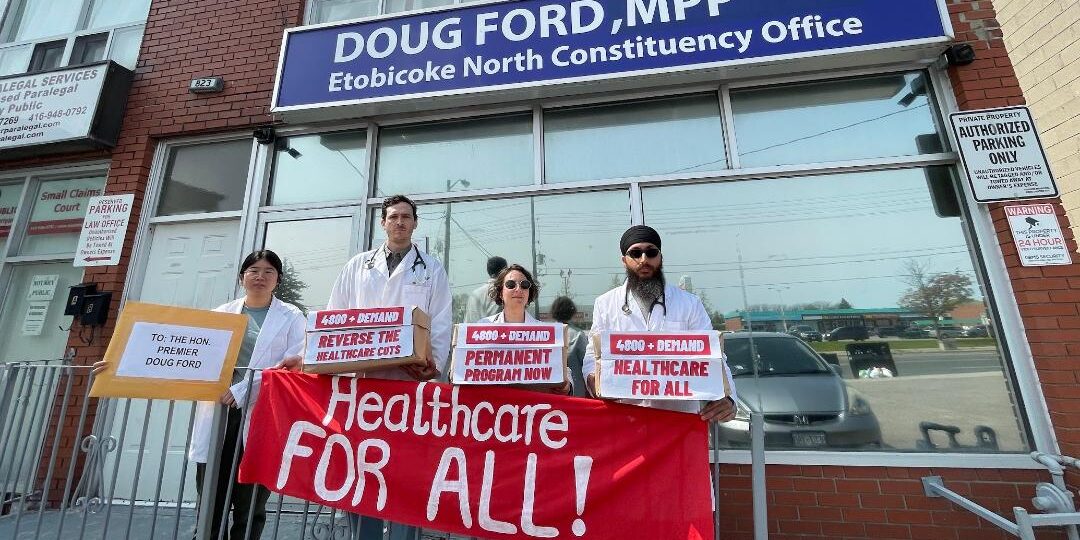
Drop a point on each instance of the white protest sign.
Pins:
(662, 365)
(42, 287)
(164, 351)
(34, 321)
(1037, 235)
(529, 353)
(1002, 154)
(103, 230)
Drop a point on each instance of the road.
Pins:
(931, 362)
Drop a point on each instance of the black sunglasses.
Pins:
(636, 253)
(511, 284)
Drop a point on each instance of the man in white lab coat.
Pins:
(647, 303)
(397, 273)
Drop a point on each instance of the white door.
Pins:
(190, 265)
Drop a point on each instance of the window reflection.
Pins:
(312, 253)
(453, 156)
(662, 136)
(205, 178)
(824, 264)
(889, 115)
(316, 168)
(569, 243)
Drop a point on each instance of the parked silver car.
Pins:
(805, 402)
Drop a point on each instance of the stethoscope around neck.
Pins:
(417, 261)
(626, 303)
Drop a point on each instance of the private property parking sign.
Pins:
(1002, 154)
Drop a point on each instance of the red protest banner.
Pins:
(486, 462)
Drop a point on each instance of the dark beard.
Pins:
(647, 290)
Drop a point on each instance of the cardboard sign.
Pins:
(661, 365)
(509, 353)
(1002, 154)
(103, 230)
(481, 462)
(357, 340)
(165, 352)
(1037, 235)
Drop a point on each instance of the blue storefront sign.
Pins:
(505, 45)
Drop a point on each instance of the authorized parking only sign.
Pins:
(1002, 154)
(1038, 237)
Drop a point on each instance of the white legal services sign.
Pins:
(49, 107)
(1037, 235)
(183, 353)
(1002, 154)
(103, 230)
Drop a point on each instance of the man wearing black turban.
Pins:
(646, 303)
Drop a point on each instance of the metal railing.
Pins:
(1054, 499)
(77, 467)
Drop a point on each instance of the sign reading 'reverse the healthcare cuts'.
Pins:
(506, 45)
(662, 365)
(1002, 154)
(49, 107)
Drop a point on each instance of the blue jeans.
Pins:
(371, 528)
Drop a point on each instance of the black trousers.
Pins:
(246, 499)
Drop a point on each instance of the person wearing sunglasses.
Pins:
(513, 289)
(647, 303)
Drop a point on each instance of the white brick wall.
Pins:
(1043, 38)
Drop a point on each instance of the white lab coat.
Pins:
(685, 312)
(364, 283)
(479, 303)
(281, 335)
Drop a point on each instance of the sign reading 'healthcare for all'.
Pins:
(1037, 235)
(49, 107)
(103, 230)
(1002, 154)
(662, 365)
(536, 42)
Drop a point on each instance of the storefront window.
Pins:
(57, 215)
(313, 253)
(9, 203)
(205, 178)
(454, 156)
(830, 121)
(662, 136)
(569, 243)
(116, 12)
(33, 311)
(317, 168)
(394, 6)
(339, 10)
(32, 19)
(829, 267)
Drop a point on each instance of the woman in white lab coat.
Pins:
(513, 290)
(275, 330)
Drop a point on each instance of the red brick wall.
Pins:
(239, 41)
(235, 39)
(1049, 296)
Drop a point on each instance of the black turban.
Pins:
(638, 234)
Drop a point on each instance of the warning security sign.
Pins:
(1038, 237)
(1002, 154)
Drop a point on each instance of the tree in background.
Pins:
(290, 288)
(843, 304)
(933, 295)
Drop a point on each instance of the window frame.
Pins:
(982, 237)
(69, 37)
